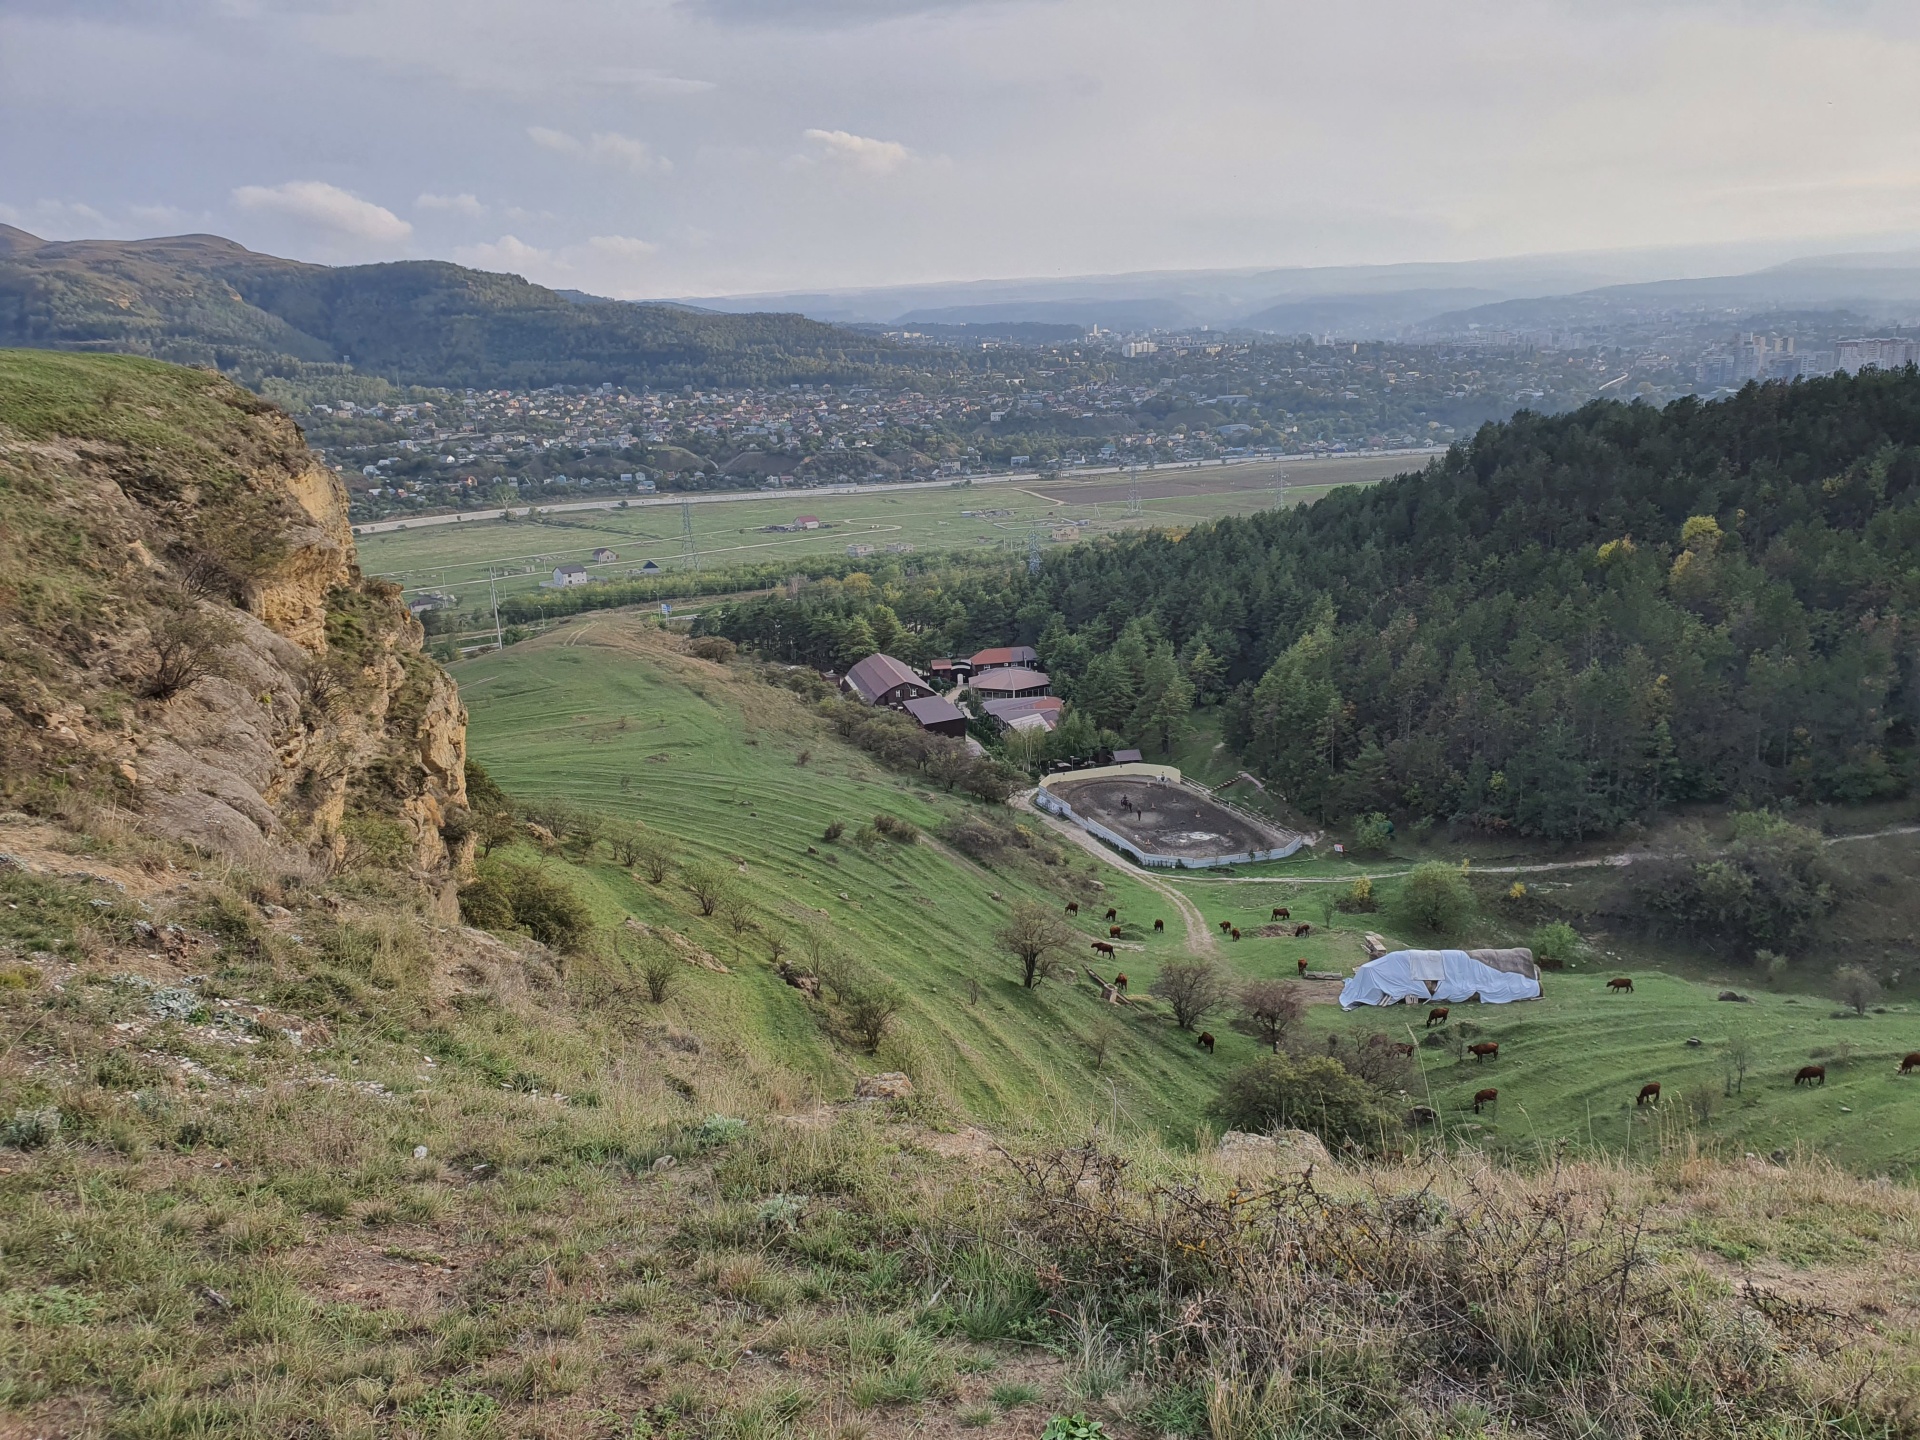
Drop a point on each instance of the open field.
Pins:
(523, 553)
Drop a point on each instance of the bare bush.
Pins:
(707, 881)
(1034, 935)
(1857, 988)
(185, 644)
(1269, 1009)
(1193, 989)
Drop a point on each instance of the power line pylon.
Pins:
(689, 549)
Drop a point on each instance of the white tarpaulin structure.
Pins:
(1442, 976)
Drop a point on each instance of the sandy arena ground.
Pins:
(1166, 819)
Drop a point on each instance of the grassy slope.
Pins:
(710, 759)
(547, 719)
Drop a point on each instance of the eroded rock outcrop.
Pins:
(156, 507)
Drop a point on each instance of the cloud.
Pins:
(158, 214)
(645, 82)
(859, 152)
(609, 147)
(461, 204)
(321, 206)
(614, 265)
(556, 140)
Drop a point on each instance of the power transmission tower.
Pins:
(494, 595)
(1133, 491)
(1033, 548)
(689, 551)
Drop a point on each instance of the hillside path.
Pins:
(1622, 858)
(1199, 935)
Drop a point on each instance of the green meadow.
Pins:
(605, 712)
(523, 552)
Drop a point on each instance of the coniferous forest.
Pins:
(1562, 626)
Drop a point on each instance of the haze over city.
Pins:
(725, 146)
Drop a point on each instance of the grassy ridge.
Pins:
(605, 713)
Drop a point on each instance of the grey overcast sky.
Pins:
(661, 147)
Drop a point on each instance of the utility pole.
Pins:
(494, 594)
(689, 551)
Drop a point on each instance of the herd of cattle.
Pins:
(1809, 1075)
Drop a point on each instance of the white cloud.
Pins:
(461, 204)
(607, 146)
(158, 214)
(615, 265)
(320, 206)
(646, 82)
(874, 157)
(556, 140)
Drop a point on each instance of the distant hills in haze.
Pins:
(201, 299)
(1391, 301)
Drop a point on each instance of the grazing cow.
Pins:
(1073, 907)
(1436, 1016)
(1158, 926)
(1302, 963)
(1402, 1047)
(1485, 1097)
(1811, 1075)
(1911, 1063)
(1113, 932)
(1235, 932)
(1205, 1041)
(1300, 932)
(1649, 1094)
(1423, 1115)
(1120, 982)
(1112, 914)
(1225, 926)
(1281, 912)
(1485, 1050)
(1103, 948)
(1621, 983)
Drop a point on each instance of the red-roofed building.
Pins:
(1002, 656)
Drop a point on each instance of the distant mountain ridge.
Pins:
(203, 299)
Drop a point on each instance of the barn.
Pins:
(1492, 977)
(937, 715)
(883, 680)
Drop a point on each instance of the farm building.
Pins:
(938, 716)
(883, 680)
(949, 672)
(1033, 712)
(566, 575)
(1493, 977)
(1000, 657)
(1010, 682)
(604, 556)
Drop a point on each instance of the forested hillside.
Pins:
(199, 299)
(1562, 626)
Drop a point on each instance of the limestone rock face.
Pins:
(888, 1085)
(320, 727)
(1247, 1155)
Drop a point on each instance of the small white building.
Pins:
(565, 576)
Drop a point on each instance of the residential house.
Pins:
(883, 680)
(1010, 682)
(569, 575)
(604, 556)
(1003, 656)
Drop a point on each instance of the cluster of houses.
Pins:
(1005, 681)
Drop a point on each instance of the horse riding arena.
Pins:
(1163, 821)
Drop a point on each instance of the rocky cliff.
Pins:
(185, 633)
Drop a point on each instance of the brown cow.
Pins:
(1281, 912)
(1235, 932)
(1205, 1041)
(1485, 1097)
(1113, 932)
(1112, 914)
(1401, 1047)
(1073, 907)
(1120, 982)
(1158, 926)
(1423, 1115)
(1622, 983)
(1911, 1063)
(1101, 947)
(1436, 1016)
(1302, 963)
(1225, 926)
(1649, 1094)
(1301, 931)
(1485, 1050)
(1810, 1075)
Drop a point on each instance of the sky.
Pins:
(640, 148)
